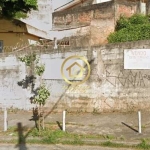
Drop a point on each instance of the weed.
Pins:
(110, 144)
(11, 131)
(96, 111)
(122, 137)
(91, 125)
(143, 145)
(77, 140)
(143, 126)
(54, 137)
(13, 110)
(35, 132)
(109, 137)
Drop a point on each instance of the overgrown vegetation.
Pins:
(134, 28)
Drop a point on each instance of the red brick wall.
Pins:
(100, 17)
(81, 16)
(126, 8)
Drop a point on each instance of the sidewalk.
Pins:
(119, 125)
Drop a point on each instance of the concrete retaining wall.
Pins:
(109, 88)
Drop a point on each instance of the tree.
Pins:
(41, 94)
(16, 8)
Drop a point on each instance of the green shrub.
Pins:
(122, 23)
(139, 19)
(134, 28)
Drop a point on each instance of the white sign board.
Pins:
(53, 67)
(137, 59)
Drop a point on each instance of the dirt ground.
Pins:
(117, 124)
(55, 147)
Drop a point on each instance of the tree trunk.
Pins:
(39, 111)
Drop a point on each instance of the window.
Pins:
(63, 43)
(1, 46)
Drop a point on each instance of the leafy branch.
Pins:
(28, 59)
(39, 68)
(42, 95)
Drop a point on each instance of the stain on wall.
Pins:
(109, 88)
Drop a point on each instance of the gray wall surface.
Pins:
(109, 88)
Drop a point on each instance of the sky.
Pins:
(58, 3)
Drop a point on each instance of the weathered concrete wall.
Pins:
(124, 90)
(12, 95)
(100, 18)
(105, 19)
(126, 8)
(78, 5)
(109, 88)
(148, 7)
(81, 16)
(44, 12)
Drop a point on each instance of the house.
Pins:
(76, 3)
(89, 22)
(23, 32)
(82, 3)
(17, 33)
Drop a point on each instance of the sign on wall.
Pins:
(137, 59)
(53, 67)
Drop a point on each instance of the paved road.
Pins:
(55, 147)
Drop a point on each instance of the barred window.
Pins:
(63, 43)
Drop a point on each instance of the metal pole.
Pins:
(5, 119)
(139, 121)
(64, 118)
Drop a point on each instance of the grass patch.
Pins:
(54, 137)
(51, 136)
(76, 140)
(109, 137)
(143, 145)
(116, 145)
